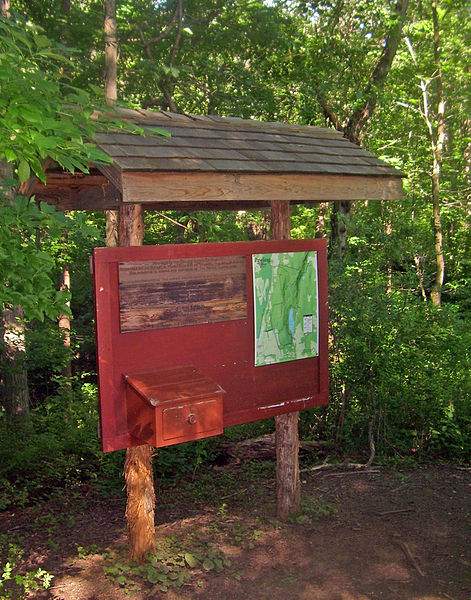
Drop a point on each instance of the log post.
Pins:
(288, 488)
(138, 465)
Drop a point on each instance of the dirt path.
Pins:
(389, 535)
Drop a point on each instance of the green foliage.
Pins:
(41, 117)
(184, 458)
(58, 448)
(395, 359)
(27, 269)
(313, 509)
(174, 563)
(16, 582)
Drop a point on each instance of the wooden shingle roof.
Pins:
(216, 144)
(220, 162)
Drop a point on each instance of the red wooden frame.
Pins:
(223, 351)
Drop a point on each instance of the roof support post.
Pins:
(138, 465)
(288, 489)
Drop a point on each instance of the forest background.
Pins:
(393, 76)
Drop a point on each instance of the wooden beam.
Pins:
(77, 191)
(227, 187)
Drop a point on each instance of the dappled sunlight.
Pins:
(339, 547)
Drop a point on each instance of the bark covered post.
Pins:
(288, 488)
(138, 465)
(111, 95)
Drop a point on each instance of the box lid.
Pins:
(172, 384)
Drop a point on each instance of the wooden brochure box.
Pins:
(173, 405)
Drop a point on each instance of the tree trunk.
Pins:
(111, 95)
(141, 500)
(112, 225)
(437, 141)
(64, 319)
(14, 378)
(138, 466)
(288, 488)
(437, 150)
(341, 211)
(362, 115)
(5, 6)
(111, 52)
(339, 218)
(321, 231)
(64, 323)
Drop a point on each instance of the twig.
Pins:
(350, 469)
(359, 472)
(322, 467)
(171, 220)
(410, 558)
(234, 494)
(393, 512)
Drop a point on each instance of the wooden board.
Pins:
(222, 350)
(213, 187)
(178, 292)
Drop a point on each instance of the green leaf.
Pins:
(97, 90)
(152, 575)
(23, 170)
(208, 564)
(191, 560)
(42, 41)
(218, 565)
(10, 155)
(158, 131)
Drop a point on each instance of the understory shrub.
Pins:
(399, 370)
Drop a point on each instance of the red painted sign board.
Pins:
(195, 337)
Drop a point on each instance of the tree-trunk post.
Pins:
(138, 465)
(111, 95)
(288, 488)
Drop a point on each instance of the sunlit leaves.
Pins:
(26, 269)
(40, 117)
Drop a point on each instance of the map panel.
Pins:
(286, 306)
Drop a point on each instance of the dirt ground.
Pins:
(386, 535)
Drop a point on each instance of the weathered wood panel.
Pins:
(208, 187)
(175, 293)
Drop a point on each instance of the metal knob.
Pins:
(192, 419)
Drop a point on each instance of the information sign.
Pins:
(249, 317)
(285, 306)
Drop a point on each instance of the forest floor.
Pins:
(389, 534)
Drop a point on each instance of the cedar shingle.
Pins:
(210, 143)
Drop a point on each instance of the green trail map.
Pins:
(285, 305)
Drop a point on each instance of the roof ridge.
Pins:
(215, 120)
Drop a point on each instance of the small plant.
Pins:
(312, 509)
(83, 552)
(170, 565)
(17, 584)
